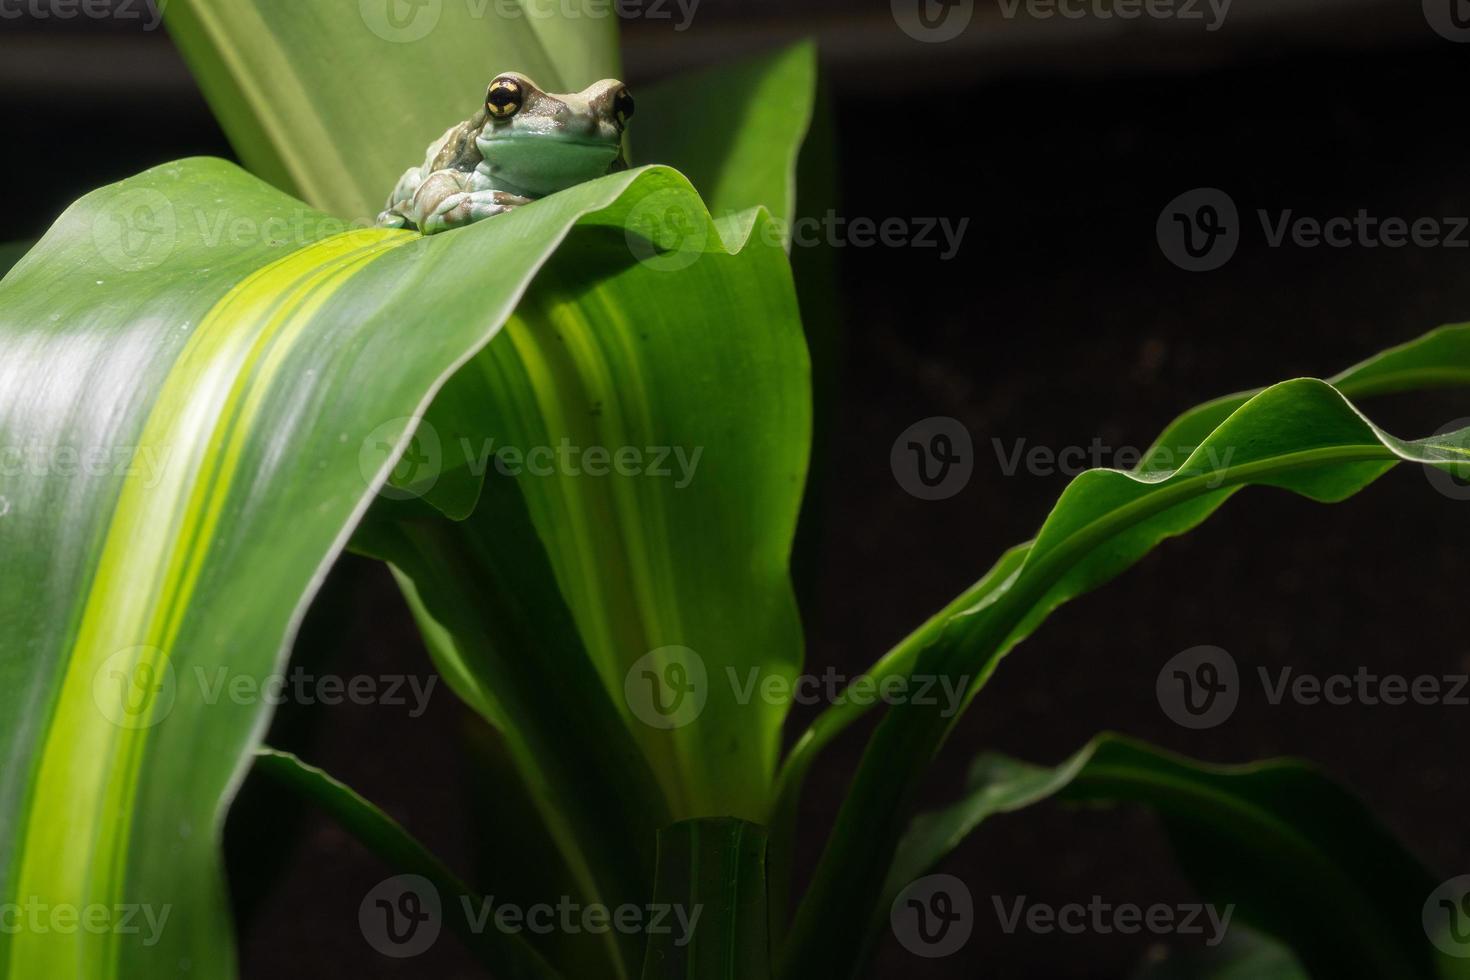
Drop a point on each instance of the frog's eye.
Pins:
(504, 98)
(623, 107)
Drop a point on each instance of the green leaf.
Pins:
(1298, 857)
(11, 253)
(333, 102)
(692, 563)
(210, 382)
(735, 131)
(1440, 358)
(1302, 436)
(506, 953)
(712, 875)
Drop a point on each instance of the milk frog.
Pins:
(523, 144)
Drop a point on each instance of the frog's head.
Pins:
(536, 143)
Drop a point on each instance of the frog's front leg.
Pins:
(396, 212)
(449, 200)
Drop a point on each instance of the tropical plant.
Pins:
(214, 381)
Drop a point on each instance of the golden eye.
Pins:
(623, 106)
(504, 98)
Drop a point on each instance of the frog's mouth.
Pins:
(540, 164)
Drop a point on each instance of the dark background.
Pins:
(1059, 321)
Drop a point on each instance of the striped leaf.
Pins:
(203, 384)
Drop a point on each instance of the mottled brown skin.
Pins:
(521, 145)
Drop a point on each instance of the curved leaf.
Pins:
(1297, 856)
(11, 253)
(1302, 436)
(506, 953)
(1440, 358)
(203, 416)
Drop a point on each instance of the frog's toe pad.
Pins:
(392, 219)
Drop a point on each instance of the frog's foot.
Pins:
(467, 207)
(392, 219)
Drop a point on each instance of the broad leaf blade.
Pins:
(735, 131)
(687, 551)
(260, 388)
(334, 101)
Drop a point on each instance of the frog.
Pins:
(523, 144)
